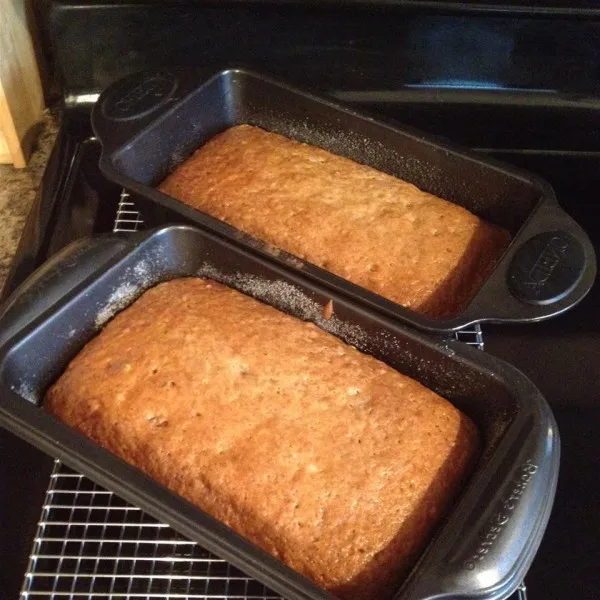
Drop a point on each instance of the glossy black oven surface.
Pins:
(518, 85)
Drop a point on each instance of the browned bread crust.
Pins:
(375, 230)
(325, 457)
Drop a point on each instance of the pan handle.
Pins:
(549, 268)
(493, 534)
(57, 278)
(125, 106)
(131, 103)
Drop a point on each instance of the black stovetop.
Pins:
(560, 356)
(520, 86)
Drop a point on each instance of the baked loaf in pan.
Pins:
(323, 456)
(375, 230)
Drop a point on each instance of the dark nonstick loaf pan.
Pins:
(481, 550)
(150, 122)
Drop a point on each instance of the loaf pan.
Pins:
(481, 550)
(149, 123)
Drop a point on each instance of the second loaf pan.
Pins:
(150, 122)
(480, 551)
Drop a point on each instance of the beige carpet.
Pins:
(18, 188)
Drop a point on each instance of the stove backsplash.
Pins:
(386, 59)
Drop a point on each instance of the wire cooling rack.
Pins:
(128, 218)
(92, 544)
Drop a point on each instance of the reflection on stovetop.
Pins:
(560, 356)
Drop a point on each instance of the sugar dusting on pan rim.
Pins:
(288, 298)
(136, 280)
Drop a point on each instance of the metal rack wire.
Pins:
(92, 544)
(128, 219)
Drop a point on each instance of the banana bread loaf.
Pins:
(375, 230)
(323, 456)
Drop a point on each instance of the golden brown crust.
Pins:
(375, 230)
(323, 456)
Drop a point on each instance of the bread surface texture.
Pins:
(373, 229)
(325, 457)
